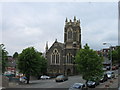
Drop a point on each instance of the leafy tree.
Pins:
(89, 63)
(3, 57)
(43, 65)
(115, 55)
(30, 62)
(15, 55)
(118, 49)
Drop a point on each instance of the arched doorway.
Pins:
(68, 72)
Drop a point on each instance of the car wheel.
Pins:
(94, 86)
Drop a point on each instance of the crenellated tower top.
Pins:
(72, 33)
(74, 22)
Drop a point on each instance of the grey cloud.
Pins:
(35, 23)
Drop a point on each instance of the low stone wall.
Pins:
(33, 78)
(5, 81)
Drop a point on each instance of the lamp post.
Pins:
(110, 54)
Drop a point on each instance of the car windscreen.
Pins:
(109, 73)
(89, 82)
(77, 86)
(60, 76)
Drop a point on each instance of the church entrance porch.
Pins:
(69, 72)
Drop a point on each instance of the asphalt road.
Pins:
(66, 84)
(52, 84)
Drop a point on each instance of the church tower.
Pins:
(72, 34)
(61, 56)
(72, 42)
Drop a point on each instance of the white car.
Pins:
(45, 77)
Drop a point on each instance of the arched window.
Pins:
(69, 34)
(69, 58)
(55, 57)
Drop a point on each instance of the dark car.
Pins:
(114, 68)
(117, 66)
(61, 78)
(108, 67)
(104, 78)
(77, 86)
(93, 82)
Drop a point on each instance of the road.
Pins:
(66, 84)
(52, 84)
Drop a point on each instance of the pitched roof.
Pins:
(58, 44)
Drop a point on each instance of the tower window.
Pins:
(69, 58)
(70, 35)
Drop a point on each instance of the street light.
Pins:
(110, 53)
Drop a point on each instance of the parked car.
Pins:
(117, 66)
(61, 78)
(114, 67)
(77, 86)
(104, 69)
(104, 78)
(23, 79)
(108, 67)
(91, 84)
(110, 74)
(45, 77)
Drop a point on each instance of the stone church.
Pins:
(61, 56)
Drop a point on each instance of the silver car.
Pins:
(61, 78)
(110, 74)
(45, 77)
(77, 86)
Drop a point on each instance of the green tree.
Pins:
(3, 57)
(43, 65)
(30, 62)
(115, 55)
(89, 63)
(118, 49)
(15, 55)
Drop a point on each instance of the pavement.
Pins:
(111, 83)
(108, 85)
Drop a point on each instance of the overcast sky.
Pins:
(33, 24)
